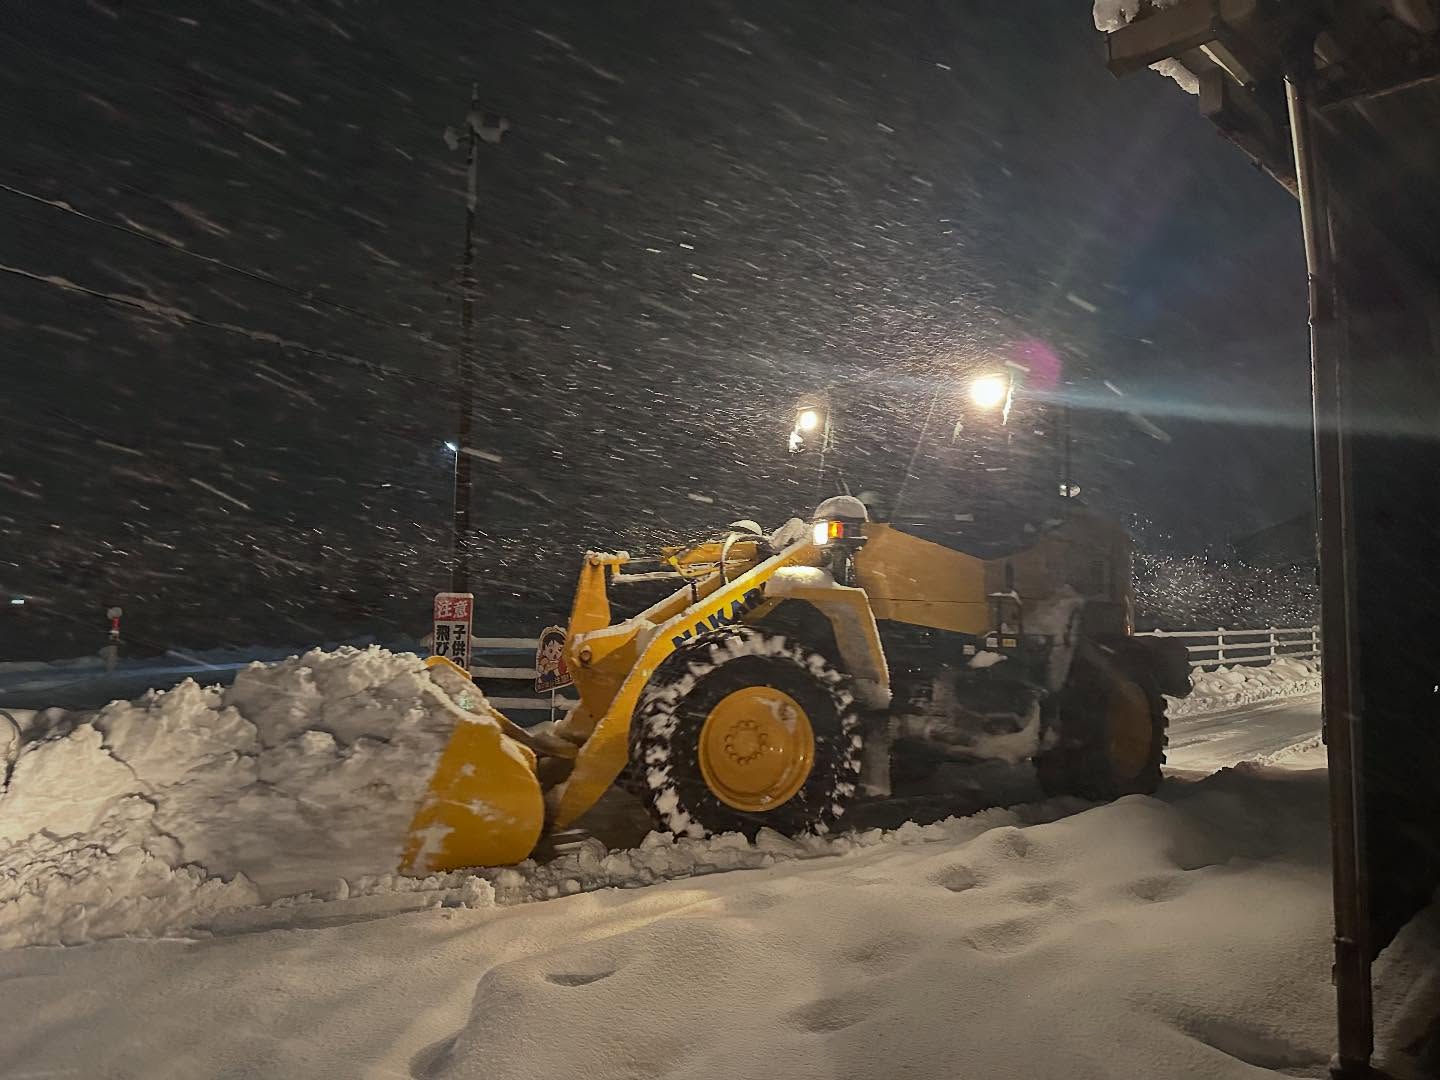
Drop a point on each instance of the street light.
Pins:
(452, 448)
(812, 428)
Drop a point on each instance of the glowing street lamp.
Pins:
(811, 430)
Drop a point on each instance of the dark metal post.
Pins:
(1065, 477)
(465, 361)
(1337, 588)
(827, 443)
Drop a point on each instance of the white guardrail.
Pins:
(520, 699)
(1207, 648)
(1213, 648)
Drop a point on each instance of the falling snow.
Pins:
(236, 344)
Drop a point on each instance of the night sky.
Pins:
(229, 376)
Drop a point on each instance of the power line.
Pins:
(254, 275)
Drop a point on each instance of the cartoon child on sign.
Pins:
(550, 670)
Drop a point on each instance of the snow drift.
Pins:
(1245, 684)
(155, 814)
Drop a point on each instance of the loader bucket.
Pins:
(483, 806)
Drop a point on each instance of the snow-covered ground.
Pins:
(1269, 733)
(227, 854)
(1181, 936)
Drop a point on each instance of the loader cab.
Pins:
(978, 466)
(969, 504)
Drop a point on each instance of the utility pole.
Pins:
(465, 363)
(1066, 487)
(476, 130)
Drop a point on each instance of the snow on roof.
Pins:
(1113, 14)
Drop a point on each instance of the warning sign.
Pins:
(454, 619)
(550, 670)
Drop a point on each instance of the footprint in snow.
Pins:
(577, 978)
(1251, 1044)
(1042, 892)
(881, 955)
(1157, 889)
(956, 878)
(1009, 936)
(1011, 843)
(834, 1013)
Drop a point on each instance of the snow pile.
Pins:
(291, 790)
(1307, 754)
(191, 807)
(1186, 935)
(1246, 684)
(10, 734)
(157, 814)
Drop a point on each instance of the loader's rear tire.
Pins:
(742, 729)
(1109, 733)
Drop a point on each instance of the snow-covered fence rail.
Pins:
(510, 662)
(506, 666)
(1216, 648)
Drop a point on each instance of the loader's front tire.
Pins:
(1109, 733)
(742, 729)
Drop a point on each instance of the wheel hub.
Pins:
(745, 742)
(756, 748)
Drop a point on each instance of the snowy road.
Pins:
(1199, 745)
(1203, 744)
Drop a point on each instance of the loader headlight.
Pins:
(828, 532)
(990, 391)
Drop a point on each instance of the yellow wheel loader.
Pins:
(781, 676)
